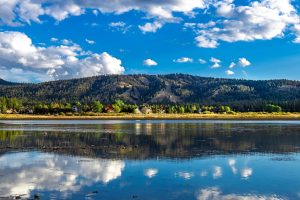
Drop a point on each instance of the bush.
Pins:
(270, 108)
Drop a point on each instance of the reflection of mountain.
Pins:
(24, 172)
(147, 140)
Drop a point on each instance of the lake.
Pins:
(148, 160)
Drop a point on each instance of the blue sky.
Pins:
(49, 39)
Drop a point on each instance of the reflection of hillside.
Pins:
(146, 140)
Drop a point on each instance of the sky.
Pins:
(44, 40)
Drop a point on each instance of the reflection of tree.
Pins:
(9, 134)
(149, 140)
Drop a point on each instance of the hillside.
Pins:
(173, 88)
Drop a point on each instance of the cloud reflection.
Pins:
(214, 193)
(231, 163)
(185, 175)
(217, 172)
(151, 172)
(24, 172)
(246, 173)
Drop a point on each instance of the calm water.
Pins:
(145, 160)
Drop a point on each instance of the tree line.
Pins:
(15, 105)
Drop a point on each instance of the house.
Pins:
(137, 111)
(146, 110)
(75, 109)
(109, 109)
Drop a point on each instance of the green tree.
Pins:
(118, 106)
(3, 104)
(181, 109)
(272, 108)
(97, 107)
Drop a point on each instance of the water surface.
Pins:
(166, 159)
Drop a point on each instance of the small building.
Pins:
(199, 111)
(75, 109)
(109, 109)
(146, 110)
(137, 111)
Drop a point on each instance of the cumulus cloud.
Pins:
(215, 193)
(229, 72)
(260, 20)
(54, 39)
(150, 62)
(243, 62)
(54, 172)
(232, 65)
(216, 62)
(183, 60)
(296, 28)
(13, 12)
(66, 60)
(151, 27)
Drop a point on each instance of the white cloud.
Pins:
(260, 20)
(54, 172)
(90, 41)
(202, 61)
(117, 24)
(95, 12)
(296, 28)
(120, 26)
(151, 172)
(232, 65)
(12, 11)
(183, 60)
(229, 72)
(150, 62)
(243, 62)
(214, 193)
(216, 62)
(224, 8)
(151, 27)
(54, 39)
(205, 42)
(54, 62)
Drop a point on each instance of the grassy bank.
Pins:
(124, 116)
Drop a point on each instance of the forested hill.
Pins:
(139, 89)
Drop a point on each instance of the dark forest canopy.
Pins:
(161, 89)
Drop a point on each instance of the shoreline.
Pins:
(238, 116)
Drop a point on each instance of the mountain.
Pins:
(139, 89)
(6, 83)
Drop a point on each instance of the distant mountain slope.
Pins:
(6, 83)
(173, 88)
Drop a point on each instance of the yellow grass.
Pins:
(124, 116)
